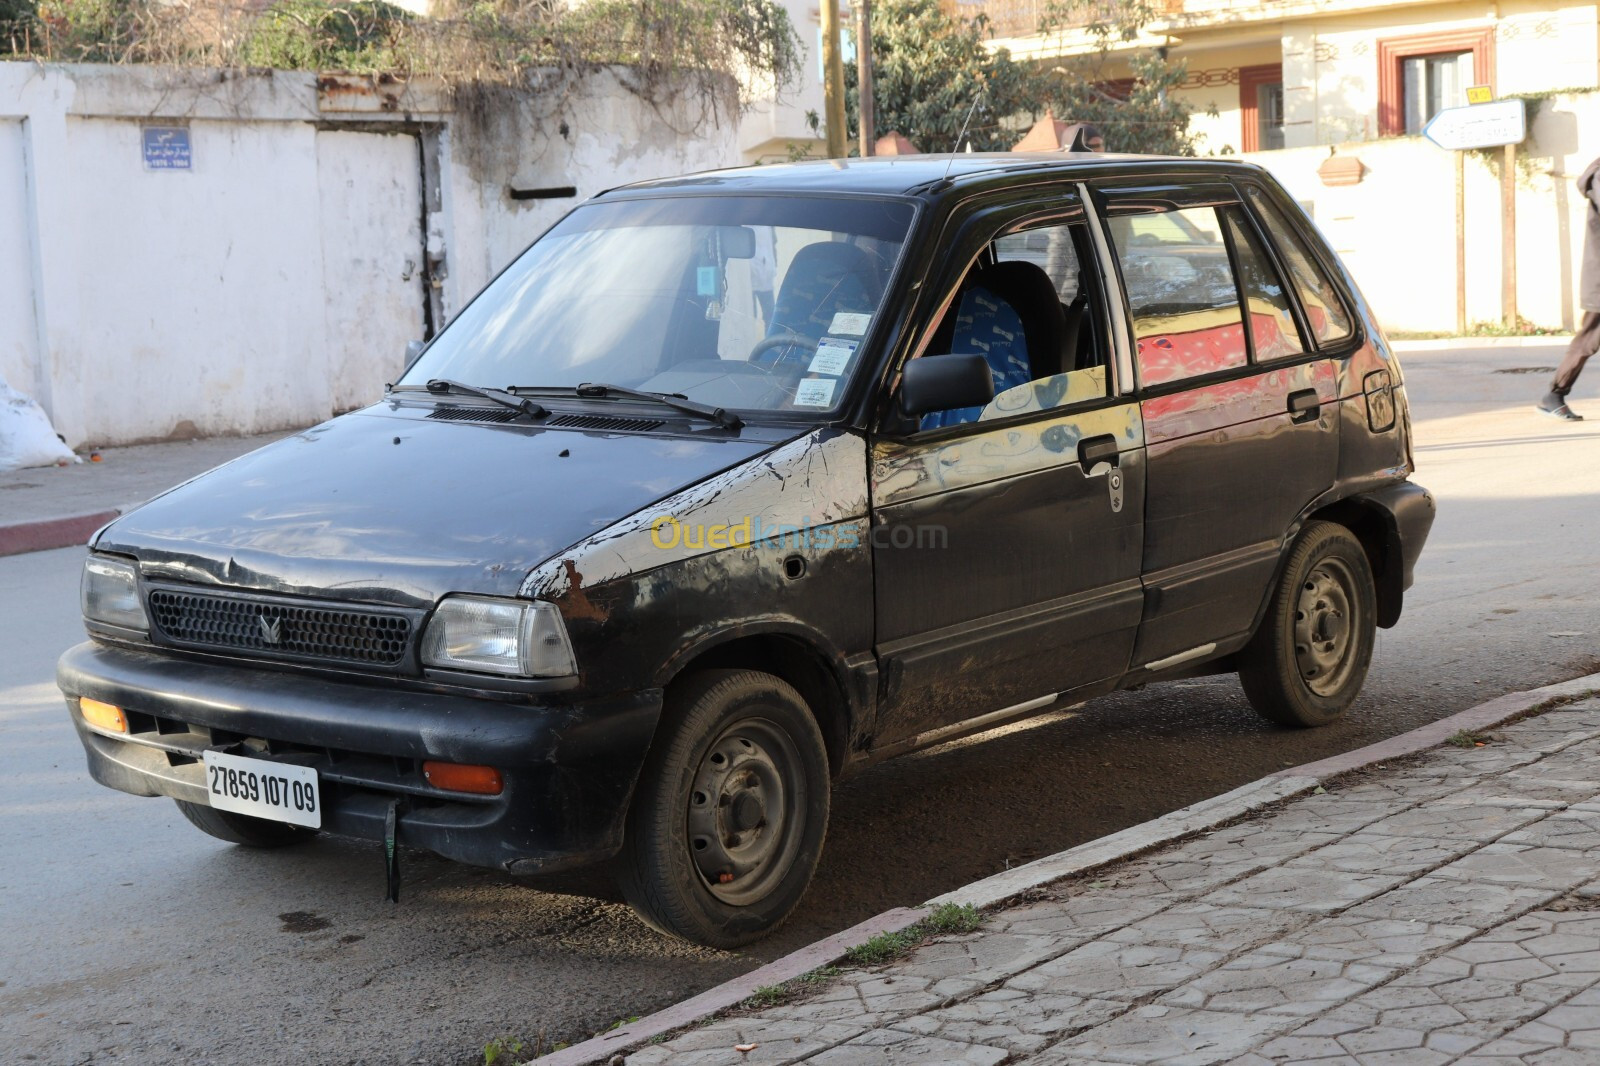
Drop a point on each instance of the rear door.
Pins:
(1006, 549)
(1240, 414)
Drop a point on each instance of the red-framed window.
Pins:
(1393, 54)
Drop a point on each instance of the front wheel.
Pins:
(1305, 665)
(243, 829)
(730, 812)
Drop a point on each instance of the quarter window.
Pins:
(1325, 311)
(1272, 328)
(1182, 298)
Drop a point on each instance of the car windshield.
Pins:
(754, 303)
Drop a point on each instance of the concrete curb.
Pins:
(1135, 840)
(46, 533)
(731, 993)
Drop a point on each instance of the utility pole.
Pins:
(869, 135)
(833, 81)
(1508, 237)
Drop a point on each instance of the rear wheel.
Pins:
(730, 812)
(1306, 664)
(243, 829)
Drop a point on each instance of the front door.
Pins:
(1007, 541)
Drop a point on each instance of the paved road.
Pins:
(129, 937)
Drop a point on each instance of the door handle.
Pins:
(1304, 406)
(1093, 451)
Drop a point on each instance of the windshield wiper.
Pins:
(442, 386)
(675, 400)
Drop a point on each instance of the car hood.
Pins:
(388, 506)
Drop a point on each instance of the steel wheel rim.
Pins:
(746, 811)
(1324, 627)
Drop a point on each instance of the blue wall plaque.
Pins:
(167, 148)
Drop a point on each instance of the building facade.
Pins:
(1293, 73)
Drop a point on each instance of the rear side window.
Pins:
(1272, 326)
(1182, 297)
(1325, 311)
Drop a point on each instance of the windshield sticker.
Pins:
(705, 281)
(815, 392)
(833, 355)
(849, 322)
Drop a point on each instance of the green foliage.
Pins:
(17, 25)
(949, 918)
(1075, 87)
(501, 1046)
(706, 45)
(358, 37)
(930, 65)
(885, 946)
(89, 31)
(767, 996)
(928, 68)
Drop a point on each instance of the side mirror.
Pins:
(944, 383)
(413, 351)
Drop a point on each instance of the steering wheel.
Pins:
(779, 340)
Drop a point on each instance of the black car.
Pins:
(734, 483)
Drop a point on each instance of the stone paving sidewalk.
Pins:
(1442, 908)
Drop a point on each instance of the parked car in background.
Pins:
(734, 483)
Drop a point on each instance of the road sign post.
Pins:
(1499, 124)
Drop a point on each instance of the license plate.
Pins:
(263, 789)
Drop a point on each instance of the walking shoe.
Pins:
(1555, 405)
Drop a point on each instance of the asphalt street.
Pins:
(130, 937)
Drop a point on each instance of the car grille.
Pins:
(271, 627)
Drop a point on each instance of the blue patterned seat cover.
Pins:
(990, 326)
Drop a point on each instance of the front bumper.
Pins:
(569, 768)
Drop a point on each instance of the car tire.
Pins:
(730, 812)
(243, 829)
(1306, 663)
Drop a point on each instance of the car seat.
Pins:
(1009, 313)
(823, 279)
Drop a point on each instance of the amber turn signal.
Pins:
(103, 716)
(456, 777)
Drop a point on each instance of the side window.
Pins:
(1272, 328)
(1182, 298)
(1026, 307)
(1325, 311)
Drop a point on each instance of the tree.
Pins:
(16, 25)
(1136, 114)
(928, 68)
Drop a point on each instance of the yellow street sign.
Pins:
(1479, 94)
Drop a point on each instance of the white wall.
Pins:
(18, 330)
(1396, 229)
(268, 287)
(1330, 65)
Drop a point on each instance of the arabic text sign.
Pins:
(1478, 125)
(167, 148)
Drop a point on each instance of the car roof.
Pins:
(924, 175)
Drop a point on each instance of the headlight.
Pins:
(512, 637)
(110, 593)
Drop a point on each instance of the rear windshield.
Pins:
(754, 303)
